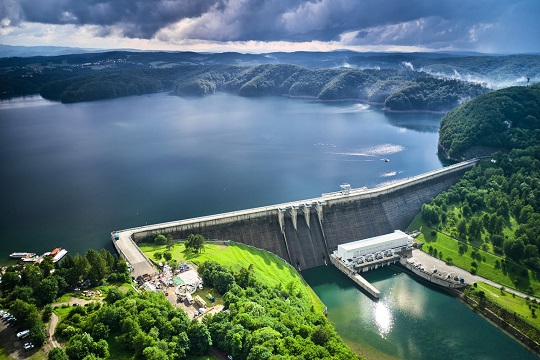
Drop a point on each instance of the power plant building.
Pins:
(396, 241)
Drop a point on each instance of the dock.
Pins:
(436, 271)
(354, 276)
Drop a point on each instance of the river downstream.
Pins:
(410, 320)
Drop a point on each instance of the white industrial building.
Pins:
(384, 244)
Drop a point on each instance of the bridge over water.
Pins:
(305, 232)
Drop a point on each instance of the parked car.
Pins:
(23, 334)
(28, 346)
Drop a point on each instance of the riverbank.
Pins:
(510, 323)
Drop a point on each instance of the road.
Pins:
(429, 262)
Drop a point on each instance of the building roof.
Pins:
(396, 235)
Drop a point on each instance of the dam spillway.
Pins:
(305, 232)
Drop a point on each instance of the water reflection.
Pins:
(383, 317)
(420, 122)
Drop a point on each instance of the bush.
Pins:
(160, 239)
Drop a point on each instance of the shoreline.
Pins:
(492, 318)
(496, 321)
(307, 97)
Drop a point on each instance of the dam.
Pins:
(305, 232)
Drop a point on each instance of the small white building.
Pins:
(396, 241)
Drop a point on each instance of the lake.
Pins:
(73, 173)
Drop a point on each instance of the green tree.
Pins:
(79, 346)
(475, 228)
(47, 312)
(47, 291)
(462, 228)
(100, 331)
(154, 353)
(160, 239)
(98, 267)
(57, 354)
(170, 241)
(114, 294)
(10, 279)
(37, 334)
(199, 338)
(321, 335)
(167, 255)
(195, 242)
(46, 265)
(79, 271)
(514, 249)
(158, 256)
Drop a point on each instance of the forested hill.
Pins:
(503, 119)
(400, 81)
(396, 89)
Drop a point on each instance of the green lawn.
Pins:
(512, 303)
(4, 355)
(62, 312)
(267, 267)
(490, 266)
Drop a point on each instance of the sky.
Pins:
(258, 26)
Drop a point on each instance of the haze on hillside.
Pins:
(488, 26)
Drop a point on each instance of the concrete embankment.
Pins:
(305, 232)
(354, 276)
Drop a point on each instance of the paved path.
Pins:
(51, 341)
(429, 262)
(140, 264)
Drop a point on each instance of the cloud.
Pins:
(442, 24)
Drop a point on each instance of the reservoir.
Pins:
(71, 174)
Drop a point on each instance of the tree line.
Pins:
(29, 289)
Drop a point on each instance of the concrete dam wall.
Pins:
(305, 232)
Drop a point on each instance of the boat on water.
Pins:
(57, 254)
(20, 255)
(34, 258)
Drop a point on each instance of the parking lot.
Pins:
(13, 346)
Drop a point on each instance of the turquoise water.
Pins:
(409, 321)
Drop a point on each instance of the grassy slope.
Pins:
(268, 268)
(513, 303)
(511, 277)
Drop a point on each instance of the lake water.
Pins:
(71, 174)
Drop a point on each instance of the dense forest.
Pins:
(29, 289)
(495, 208)
(325, 76)
(259, 321)
(397, 89)
(503, 119)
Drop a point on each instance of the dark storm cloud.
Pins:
(359, 22)
(137, 18)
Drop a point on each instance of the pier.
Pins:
(304, 232)
(354, 276)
